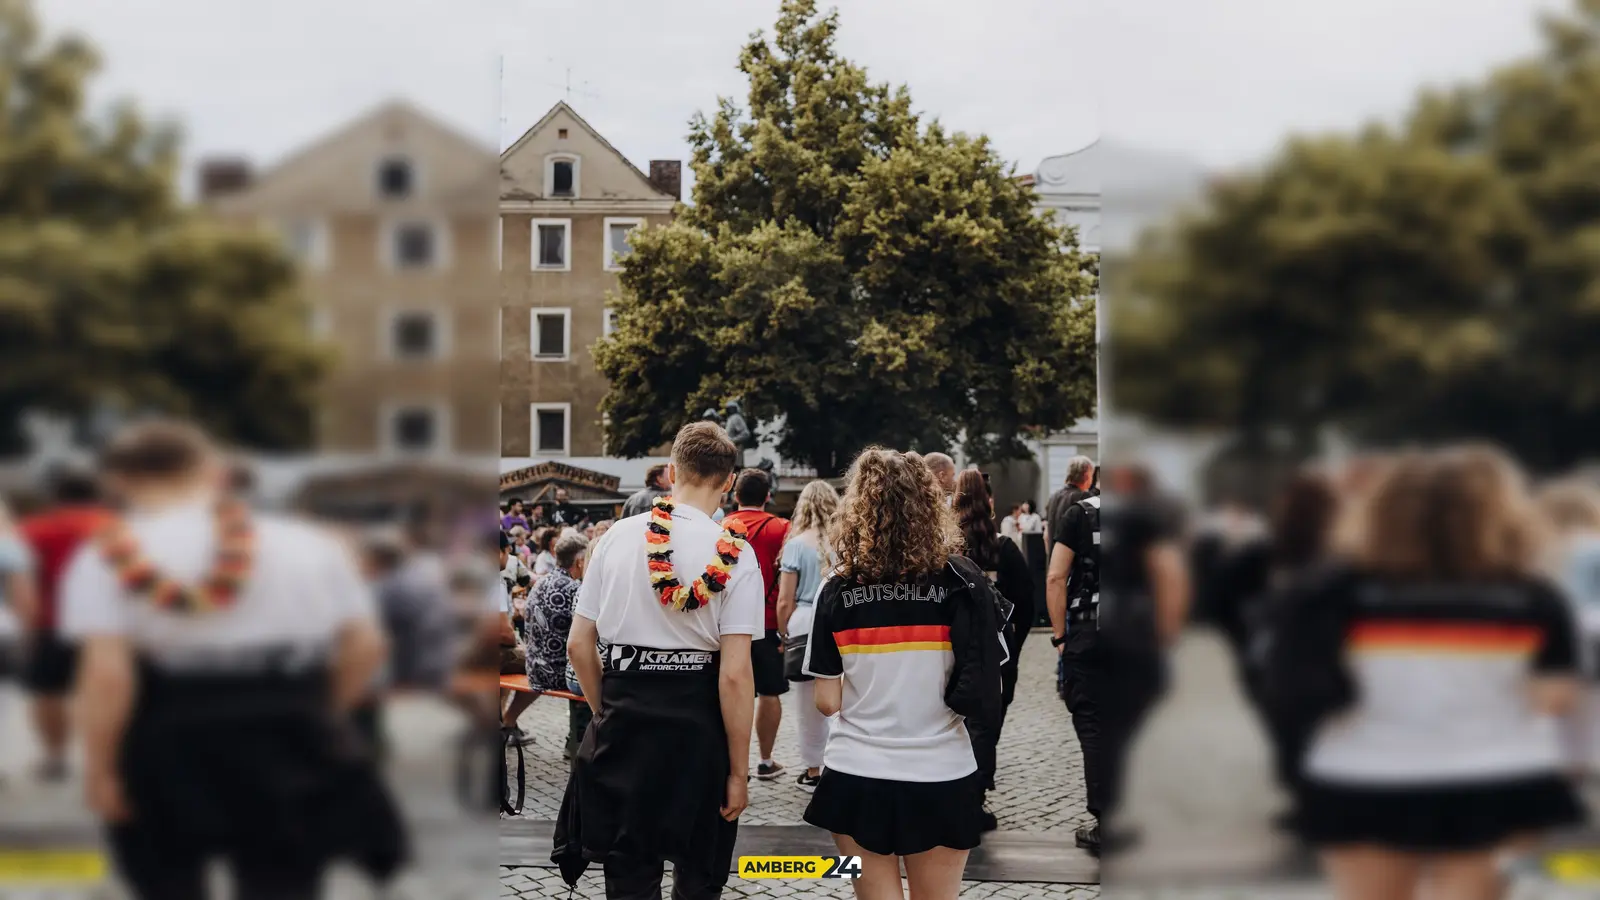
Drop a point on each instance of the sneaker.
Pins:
(807, 782)
(516, 735)
(1088, 837)
(987, 820)
(767, 773)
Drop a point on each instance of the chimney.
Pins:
(219, 177)
(667, 176)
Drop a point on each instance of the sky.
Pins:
(1219, 81)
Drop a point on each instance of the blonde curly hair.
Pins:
(893, 522)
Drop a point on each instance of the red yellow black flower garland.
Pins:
(664, 578)
(220, 587)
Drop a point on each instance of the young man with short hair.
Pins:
(766, 533)
(661, 774)
(656, 485)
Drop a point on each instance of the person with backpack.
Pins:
(765, 533)
(1007, 569)
(1112, 614)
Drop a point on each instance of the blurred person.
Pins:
(904, 648)
(600, 529)
(1115, 606)
(765, 533)
(806, 560)
(1303, 516)
(1572, 509)
(547, 621)
(544, 547)
(655, 485)
(519, 544)
(1434, 660)
(1027, 519)
(662, 772)
(418, 622)
(565, 513)
(1229, 556)
(1080, 478)
(1007, 569)
(74, 515)
(18, 602)
(944, 472)
(223, 651)
(1009, 527)
(513, 515)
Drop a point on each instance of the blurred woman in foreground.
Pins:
(1444, 660)
(806, 561)
(904, 646)
(1572, 509)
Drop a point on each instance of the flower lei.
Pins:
(664, 578)
(216, 591)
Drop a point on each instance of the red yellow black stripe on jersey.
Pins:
(893, 638)
(1444, 637)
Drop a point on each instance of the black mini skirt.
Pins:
(899, 818)
(1437, 818)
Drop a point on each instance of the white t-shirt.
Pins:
(617, 595)
(302, 589)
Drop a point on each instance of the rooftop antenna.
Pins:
(566, 86)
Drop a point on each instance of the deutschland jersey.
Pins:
(891, 645)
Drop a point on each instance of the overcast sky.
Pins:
(1219, 80)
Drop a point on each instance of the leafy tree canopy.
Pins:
(110, 290)
(1438, 279)
(856, 274)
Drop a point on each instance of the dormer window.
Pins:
(396, 180)
(561, 175)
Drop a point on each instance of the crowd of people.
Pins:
(896, 612)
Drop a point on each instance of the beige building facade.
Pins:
(391, 219)
(568, 202)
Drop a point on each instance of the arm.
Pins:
(585, 657)
(788, 582)
(105, 693)
(830, 695)
(1170, 584)
(736, 684)
(361, 650)
(1055, 588)
(21, 594)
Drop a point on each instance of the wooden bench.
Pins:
(476, 682)
(519, 683)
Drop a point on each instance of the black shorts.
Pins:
(50, 665)
(766, 661)
(1437, 818)
(899, 818)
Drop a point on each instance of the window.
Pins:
(396, 180)
(417, 334)
(415, 429)
(551, 428)
(552, 244)
(607, 323)
(499, 241)
(618, 232)
(306, 240)
(561, 133)
(321, 323)
(563, 175)
(415, 246)
(561, 179)
(552, 334)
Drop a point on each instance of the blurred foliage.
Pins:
(111, 291)
(865, 275)
(1438, 279)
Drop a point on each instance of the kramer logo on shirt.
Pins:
(799, 867)
(638, 659)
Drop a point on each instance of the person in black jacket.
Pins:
(1005, 566)
(914, 629)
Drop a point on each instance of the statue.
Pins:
(738, 431)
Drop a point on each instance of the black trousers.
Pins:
(641, 880)
(1109, 694)
(165, 877)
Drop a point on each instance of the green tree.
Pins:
(111, 290)
(1438, 279)
(855, 273)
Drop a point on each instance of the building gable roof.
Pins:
(560, 108)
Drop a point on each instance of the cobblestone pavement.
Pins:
(529, 884)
